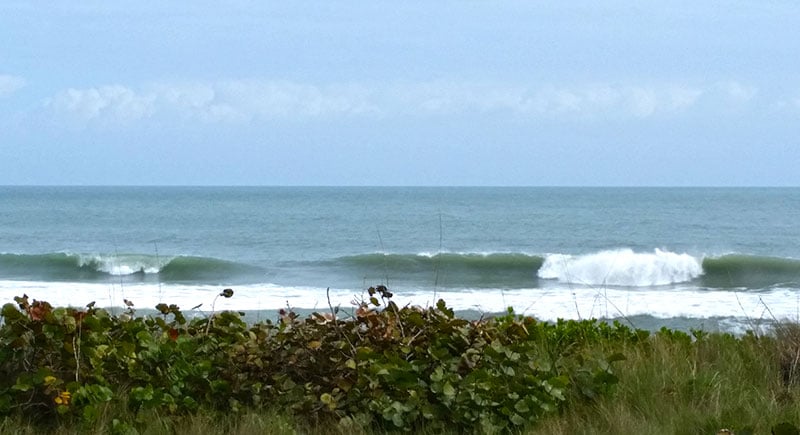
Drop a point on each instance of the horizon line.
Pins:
(582, 186)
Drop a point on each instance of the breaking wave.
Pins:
(622, 267)
(617, 267)
(63, 266)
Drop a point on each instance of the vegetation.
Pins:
(383, 368)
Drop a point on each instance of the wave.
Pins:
(495, 261)
(454, 270)
(205, 269)
(622, 267)
(737, 270)
(478, 270)
(64, 266)
(617, 268)
(625, 268)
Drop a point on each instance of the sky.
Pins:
(489, 93)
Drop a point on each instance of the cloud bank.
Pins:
(244, 101)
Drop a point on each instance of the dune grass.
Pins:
(696, 385)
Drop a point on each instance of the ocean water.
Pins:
(717, 258)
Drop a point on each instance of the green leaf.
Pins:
(11, 313)
(21, 385)
(517, 419)
(448, 390)
(328, 400)
(90, 413)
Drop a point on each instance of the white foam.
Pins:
(431, 254)
(121, 265)
(622, 267)
(550, 303)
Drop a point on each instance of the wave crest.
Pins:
(622, 267)
(97, 267)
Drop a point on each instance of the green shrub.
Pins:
(383, 366)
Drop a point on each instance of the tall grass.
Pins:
(695, 385)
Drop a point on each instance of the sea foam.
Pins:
(622, 267)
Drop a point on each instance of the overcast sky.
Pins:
(400, 93)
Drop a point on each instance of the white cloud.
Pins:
(242, 101)
(582, 101)
(283, 98)
(10, 84)
(444, 98)
(737, 91)
(195, 100)
(230, 101)
(642, 102)
(190, 95)
(682, 97)
(787, 104)
(608, 100)
(116, 103)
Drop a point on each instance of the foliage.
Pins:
(384, 366)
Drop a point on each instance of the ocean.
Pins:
(713, 258)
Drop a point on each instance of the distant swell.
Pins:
(85, 267)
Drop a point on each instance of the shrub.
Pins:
(387, 366)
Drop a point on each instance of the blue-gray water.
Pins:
(726, 256)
